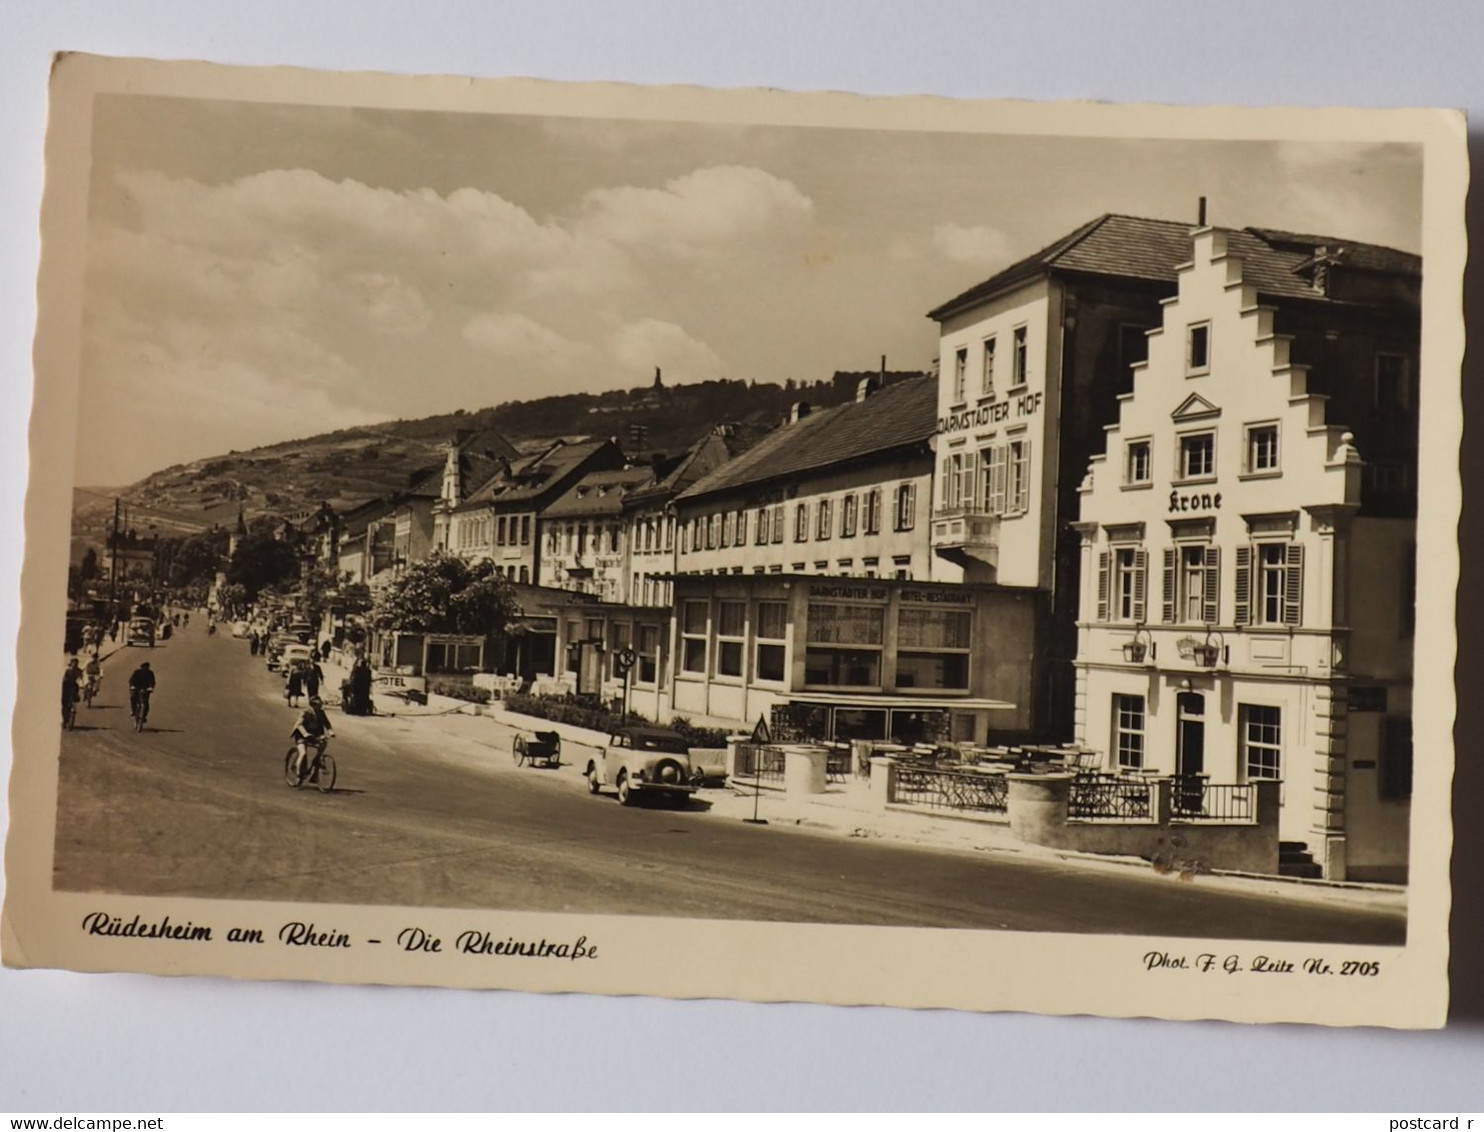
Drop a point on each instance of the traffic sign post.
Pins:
(761, 735)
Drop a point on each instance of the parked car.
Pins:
(141, 632)
(302, 631)
(292, 653)
(708, 766)
(276, 644)
(643, 760)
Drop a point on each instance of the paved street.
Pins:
(196, 805)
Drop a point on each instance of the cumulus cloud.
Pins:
(299, 292)
(979, 244)
(517, 338)
(720, 209)
(640, 346)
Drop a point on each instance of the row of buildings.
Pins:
(1158, 497)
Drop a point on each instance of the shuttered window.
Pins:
(1130, 568)
(1167, 589)
(1192, 593)
(1293, 590)
(1242, 613)
(1103, 557)
(906, 506)
(995, 480)
(1212, 612)
(1270, 584)
(1019, 491)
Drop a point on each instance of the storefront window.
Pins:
(843, 668)
(859, 723)
(844, 648)
(772, 623)
(933, 648)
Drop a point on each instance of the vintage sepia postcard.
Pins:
(742, 544)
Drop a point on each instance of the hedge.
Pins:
(570, 710)
(459, 690)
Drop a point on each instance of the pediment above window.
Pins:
(1195, 408)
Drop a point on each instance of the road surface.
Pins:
(197, 806)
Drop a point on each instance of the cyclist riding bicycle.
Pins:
(92, 677)
(313, 729)
(141, 684)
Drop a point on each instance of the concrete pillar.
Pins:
(804, 770)
(883, 781)
(1037, 805)
(740, 756)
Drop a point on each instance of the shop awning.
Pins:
(922, 703)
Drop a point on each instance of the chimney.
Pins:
(798, 411)
(1201, 214)
(883, 369)
(863, 388)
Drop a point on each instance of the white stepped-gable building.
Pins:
(1246, 609)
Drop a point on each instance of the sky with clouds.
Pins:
(260, 272)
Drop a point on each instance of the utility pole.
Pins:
(113, 562)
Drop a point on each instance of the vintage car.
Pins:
(276, 644)
(240, 629)
(141, 632)
(292, 654)
(643, 760)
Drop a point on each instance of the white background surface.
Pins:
(79, 1043)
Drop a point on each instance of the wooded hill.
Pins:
(351, 466)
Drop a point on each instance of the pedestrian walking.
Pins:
(294, 688)
(314, 676)
(360, 686)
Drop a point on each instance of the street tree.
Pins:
(445, 594)
(261, 561)
(195, 560)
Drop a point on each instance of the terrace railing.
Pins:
(1192, 799)
(1112, 797)
(950, 789)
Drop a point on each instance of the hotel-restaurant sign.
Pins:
(916, 595)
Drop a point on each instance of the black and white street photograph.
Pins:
(577, 507)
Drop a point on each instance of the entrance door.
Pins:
(1190, 752)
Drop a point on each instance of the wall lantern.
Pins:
(1209, 653)
(1142, 646)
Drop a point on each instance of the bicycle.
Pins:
(69, 717)
(319, 770)
(89, 690)
(139, 707)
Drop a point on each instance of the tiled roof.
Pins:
(1134, 247)
(599, 493)
(898, 416)
(531, 476)
(702, 458)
